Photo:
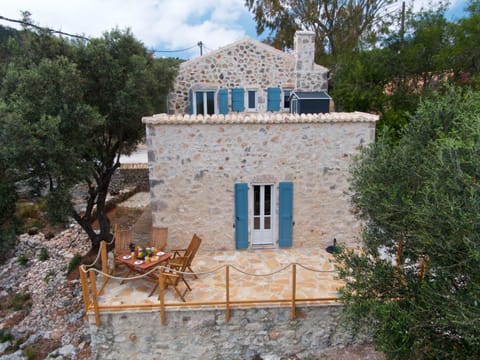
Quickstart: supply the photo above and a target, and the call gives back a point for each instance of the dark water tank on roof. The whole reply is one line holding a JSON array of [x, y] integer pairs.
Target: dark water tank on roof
[[309, 102]]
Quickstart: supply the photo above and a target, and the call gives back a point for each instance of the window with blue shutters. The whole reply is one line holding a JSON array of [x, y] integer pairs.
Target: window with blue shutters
[[241, 216], [204, 102], [285, 214], [223, 101], [238, 100], [273, 96]]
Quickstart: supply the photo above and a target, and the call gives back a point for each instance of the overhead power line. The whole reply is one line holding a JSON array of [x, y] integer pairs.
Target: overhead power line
[[26, 23], [171, 51], [43, 28]]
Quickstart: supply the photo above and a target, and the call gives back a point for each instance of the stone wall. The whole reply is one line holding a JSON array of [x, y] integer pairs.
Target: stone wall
[[130, 177], [194, 163], [204, 334], [247, 64]]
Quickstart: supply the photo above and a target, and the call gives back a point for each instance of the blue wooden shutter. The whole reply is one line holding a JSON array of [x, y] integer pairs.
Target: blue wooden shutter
[[241, 216], [238, 99], [190, 102], [285, 230], [223, 101], [273, 102]]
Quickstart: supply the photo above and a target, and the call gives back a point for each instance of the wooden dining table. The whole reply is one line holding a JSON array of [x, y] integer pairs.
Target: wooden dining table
[[141, 266]]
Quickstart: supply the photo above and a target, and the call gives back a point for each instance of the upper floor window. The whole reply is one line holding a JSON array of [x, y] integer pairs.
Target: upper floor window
[[286, 99], [204, 102], [252, 100]]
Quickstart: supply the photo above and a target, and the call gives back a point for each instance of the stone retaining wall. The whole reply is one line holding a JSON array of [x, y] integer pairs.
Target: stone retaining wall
[[204, 334]]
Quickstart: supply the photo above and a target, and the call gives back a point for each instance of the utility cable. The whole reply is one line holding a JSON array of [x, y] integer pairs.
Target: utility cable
[[43, 28]]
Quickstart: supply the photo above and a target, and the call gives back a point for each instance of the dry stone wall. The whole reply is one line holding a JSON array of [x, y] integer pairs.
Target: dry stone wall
[[195, 161], [204, 334]]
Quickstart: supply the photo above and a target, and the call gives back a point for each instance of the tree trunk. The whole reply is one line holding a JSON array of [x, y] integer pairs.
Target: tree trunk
[[96, 209]]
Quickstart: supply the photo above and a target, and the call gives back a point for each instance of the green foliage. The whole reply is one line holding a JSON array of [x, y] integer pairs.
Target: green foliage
[[20, 301], [59, 207], [49, 276], [74, 263], [22, 260], [43, 254], [29, 353], [341, 28], [419, 200], [5, 336], [105, 85]]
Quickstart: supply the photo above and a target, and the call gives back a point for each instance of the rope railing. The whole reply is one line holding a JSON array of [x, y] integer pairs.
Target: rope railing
[[90, 293]]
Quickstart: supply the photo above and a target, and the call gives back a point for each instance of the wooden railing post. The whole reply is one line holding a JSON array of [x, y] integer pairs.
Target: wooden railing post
[[95, 297], [294, 289], [103, 253], [227, 294], [161, 295], [85, 292]]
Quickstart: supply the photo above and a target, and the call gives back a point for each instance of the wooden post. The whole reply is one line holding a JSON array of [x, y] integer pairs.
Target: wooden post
[[227, 288], [103, 253], [85, 292], [399, 252], [294, 289], [95, 297], [422, 269], [161, 295]]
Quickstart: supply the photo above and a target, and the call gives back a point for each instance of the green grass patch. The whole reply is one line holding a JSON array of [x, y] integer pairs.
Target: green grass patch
[[21, 301], [75, 262], [43, 255], [22, 260]]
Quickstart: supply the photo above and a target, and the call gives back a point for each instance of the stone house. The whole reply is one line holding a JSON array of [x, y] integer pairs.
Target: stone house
[[255, 180], [246, 76], [241, 171]]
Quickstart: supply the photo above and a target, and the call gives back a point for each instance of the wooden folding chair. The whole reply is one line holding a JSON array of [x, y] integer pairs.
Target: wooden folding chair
[[172, 275], [158, 237], [188, 253], [123, 239]]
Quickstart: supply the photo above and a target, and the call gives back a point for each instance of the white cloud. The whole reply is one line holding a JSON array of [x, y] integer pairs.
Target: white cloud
[[160, 24]]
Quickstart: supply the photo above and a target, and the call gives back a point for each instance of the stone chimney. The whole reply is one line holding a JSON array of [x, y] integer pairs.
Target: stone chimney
[[308, 75], [304, 48]]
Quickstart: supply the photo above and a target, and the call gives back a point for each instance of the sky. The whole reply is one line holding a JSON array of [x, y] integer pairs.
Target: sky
[[164, 25]]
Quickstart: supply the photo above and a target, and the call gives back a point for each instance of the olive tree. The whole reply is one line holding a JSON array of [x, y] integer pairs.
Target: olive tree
[[416, 281], [74, 110]]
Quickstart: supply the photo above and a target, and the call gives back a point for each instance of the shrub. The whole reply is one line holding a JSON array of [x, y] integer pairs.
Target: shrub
[[43, 255], [22, 260], [50, 275], [5, 336], [76, 261], [20, 301], [29, 353]]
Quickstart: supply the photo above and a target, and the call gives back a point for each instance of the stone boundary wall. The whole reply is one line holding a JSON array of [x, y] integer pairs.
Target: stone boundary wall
[[132, 175], [204, 334]]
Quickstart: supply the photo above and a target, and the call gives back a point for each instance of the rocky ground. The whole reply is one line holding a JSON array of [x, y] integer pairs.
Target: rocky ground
[[42, 315]]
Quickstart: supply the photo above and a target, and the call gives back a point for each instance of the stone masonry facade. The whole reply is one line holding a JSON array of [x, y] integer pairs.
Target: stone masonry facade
[[205, 334], [195, 162], [249, 64]]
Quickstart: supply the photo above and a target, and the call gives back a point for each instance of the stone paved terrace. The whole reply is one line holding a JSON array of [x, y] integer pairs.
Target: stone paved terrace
[[211, 286]]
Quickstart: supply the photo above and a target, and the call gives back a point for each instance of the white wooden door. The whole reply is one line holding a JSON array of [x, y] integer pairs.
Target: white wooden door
[[262, 215]]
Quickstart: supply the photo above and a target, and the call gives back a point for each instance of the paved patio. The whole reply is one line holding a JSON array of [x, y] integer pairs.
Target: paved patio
[[314, 279]]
